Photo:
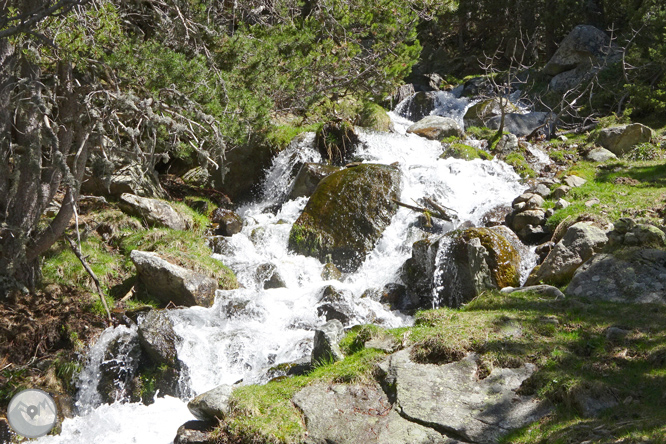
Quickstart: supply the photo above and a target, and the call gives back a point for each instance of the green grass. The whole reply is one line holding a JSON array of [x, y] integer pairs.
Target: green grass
[[185, 248], [565, 339], [624, 189], [266, 414], [61, 266]]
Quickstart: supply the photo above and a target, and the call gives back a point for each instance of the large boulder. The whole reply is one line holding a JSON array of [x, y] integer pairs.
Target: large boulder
[[436, 128], [621, 139], [349, 414], [585, 45], [153, 211], [211, 405], [451, 397], [171, 283], [158, 338], [525, 124], [632, 275], [326, 346], [459, 266], [581, 241], [347, 214], [374, 117], [308, 178]]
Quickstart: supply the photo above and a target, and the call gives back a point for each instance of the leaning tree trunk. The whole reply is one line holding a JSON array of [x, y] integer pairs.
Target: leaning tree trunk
[[44, 149]]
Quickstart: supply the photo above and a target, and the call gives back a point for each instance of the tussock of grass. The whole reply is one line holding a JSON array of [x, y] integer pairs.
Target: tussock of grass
[[185, 248]]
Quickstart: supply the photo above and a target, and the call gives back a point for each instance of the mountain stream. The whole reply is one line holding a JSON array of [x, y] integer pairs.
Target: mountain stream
[[249, 330]]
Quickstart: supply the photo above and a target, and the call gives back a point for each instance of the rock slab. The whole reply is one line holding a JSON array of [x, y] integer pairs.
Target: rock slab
[[452, 400], [352, 414], [172, 283], [632, 275], [153, 211]]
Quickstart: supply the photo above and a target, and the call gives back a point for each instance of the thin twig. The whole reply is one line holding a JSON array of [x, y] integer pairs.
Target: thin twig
[[77, 252]]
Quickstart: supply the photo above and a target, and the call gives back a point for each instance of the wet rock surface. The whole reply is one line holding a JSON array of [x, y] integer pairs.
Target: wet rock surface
[[472, 261], [157, 338], [227, 222], [308, 177]]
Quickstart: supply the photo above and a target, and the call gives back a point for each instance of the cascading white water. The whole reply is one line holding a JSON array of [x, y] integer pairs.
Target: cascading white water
[[90, 377], [249, 330]]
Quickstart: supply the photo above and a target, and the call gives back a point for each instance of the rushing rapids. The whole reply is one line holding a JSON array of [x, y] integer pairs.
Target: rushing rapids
[[249, 330]]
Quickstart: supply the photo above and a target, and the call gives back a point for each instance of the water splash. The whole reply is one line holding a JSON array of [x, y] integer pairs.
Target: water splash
[[114, 351]]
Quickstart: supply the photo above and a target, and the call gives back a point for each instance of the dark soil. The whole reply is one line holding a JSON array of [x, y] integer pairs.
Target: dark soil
[[38, 328]]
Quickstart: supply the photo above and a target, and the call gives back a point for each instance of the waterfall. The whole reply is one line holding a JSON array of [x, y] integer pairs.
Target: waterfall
[[251, 329]]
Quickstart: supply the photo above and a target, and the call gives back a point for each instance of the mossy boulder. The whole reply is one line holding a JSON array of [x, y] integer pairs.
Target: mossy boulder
[[460, 265], [374, 117], [463, 151], [520, 165], [347, 214]]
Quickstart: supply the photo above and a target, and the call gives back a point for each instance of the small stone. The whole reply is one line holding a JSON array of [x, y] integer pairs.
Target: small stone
[[560, 191], [574, 181], [211, 404], [520, 206], [561, 203], [616, 334], [600, 155], [592, 202], [542, 190]]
